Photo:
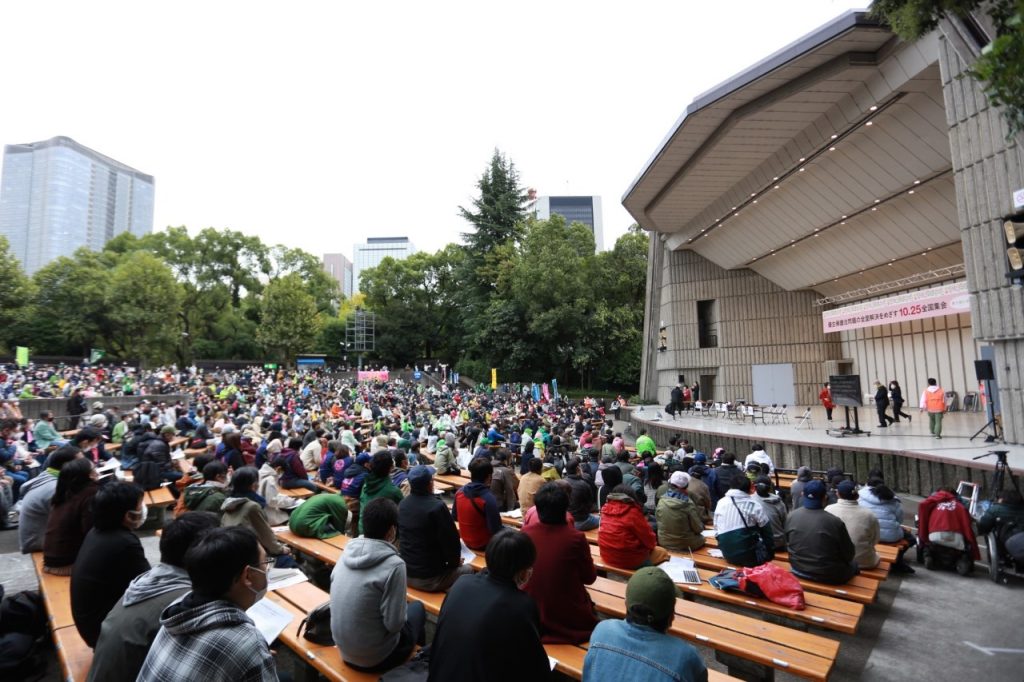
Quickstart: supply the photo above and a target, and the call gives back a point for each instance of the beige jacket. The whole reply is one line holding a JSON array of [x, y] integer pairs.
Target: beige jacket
[[862, 525]]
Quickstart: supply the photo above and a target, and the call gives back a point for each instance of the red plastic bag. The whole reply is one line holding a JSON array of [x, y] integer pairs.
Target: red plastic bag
[[777, 584]]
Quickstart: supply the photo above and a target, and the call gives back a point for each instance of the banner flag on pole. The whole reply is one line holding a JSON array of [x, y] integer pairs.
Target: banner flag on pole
[[494, 378], [21, 356], [95, 354], [554, 387]]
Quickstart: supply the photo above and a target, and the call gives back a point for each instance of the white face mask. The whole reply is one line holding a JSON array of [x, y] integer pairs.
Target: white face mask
[[142, 515], [260, 594]]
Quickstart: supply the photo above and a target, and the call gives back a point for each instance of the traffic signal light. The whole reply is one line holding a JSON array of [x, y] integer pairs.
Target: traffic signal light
[[1014, 230]]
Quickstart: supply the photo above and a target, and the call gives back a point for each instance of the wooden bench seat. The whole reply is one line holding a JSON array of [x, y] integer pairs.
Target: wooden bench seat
[[299, 493], [810, 656], [74, 654], [775, 646], [880, 572], [159, 497]]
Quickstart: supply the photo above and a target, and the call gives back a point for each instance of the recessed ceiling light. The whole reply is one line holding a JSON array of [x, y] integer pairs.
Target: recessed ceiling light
[[802, 159], [831, 149], [801, 170], [834, 136], [734, 208], [917, 182], [923, 253], [753, 259], [910, 192], [870, 123], [817, 235], [753, 194], [775, 178], [874, 208], [844, 217], [843, 223], [817, 229], [877, 200], [755, 201], [874, 108], [791, 241]]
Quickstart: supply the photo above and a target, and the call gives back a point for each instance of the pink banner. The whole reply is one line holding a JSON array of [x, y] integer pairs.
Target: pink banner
[[372, 376], [948, 299]]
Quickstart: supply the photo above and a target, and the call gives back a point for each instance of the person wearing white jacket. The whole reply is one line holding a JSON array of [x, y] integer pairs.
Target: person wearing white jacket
[[278, 505]]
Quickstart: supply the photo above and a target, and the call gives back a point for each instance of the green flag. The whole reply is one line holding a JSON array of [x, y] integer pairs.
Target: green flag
[[21, 356], [95, 354]]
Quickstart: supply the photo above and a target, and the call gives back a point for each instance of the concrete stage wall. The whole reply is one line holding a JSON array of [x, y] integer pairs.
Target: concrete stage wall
[[915, 470]]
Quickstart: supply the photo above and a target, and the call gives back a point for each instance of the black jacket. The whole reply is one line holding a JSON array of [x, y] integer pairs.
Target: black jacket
[[881, 397], [677, 396], [487, 630], [819, 544], [157, 450], [429, 539], [107, 562]]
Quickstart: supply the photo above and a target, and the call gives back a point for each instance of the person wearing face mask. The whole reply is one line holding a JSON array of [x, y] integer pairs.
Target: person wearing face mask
[[207, 635], [373, 627], [110, 558], [489, 628]]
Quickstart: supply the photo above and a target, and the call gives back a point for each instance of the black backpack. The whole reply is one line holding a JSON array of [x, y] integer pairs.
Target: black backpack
[[22, 631]]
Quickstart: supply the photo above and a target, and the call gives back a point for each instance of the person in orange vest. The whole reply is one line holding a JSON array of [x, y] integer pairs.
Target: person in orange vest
[[933, 400]]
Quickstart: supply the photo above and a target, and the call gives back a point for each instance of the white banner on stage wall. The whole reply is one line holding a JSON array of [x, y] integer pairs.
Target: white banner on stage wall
[[948, 299]]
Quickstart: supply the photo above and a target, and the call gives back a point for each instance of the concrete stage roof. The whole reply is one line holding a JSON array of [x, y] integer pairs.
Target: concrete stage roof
[[826, 166]]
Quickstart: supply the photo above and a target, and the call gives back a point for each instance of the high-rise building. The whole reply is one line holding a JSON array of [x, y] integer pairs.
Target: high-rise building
[[376, 249], [340, 268], [57, 195], [575, 209]]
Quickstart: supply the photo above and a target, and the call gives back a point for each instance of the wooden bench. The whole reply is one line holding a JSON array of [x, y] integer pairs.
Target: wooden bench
[[298, 493], [160, 497], [880, 572], [766, 644], [74, 654]]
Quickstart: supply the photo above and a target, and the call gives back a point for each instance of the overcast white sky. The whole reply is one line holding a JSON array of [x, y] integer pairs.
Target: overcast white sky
[[317, 124]]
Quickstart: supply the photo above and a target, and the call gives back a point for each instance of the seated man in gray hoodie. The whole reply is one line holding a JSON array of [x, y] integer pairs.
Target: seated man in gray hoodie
[[36, 494], [131, 626], [372, 625]]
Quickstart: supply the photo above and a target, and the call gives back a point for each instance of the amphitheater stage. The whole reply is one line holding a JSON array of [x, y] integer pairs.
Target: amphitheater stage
[[913, 461]]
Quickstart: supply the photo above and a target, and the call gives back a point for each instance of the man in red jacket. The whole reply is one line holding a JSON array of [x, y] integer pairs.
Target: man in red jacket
[[563, 568], [475, 508], [626, 539], [942, 512]]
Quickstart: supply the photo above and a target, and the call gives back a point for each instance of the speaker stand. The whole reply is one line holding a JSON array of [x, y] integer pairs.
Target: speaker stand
[[990, 409]]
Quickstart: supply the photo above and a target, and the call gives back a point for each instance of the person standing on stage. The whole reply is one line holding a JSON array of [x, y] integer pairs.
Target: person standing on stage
[[882, 404], [933, 401], [896, 393], [826, 401]]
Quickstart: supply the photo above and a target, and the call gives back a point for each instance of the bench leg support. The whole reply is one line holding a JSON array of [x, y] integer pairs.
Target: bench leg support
[[745, 670]]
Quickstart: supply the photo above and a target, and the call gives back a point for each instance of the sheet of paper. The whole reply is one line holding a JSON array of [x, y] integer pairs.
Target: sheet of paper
[[514, 514], [285, 577], [709, 533], [467, 554], [178, 454], [270, 619], [674, 567], [716, 553], [552, 662]]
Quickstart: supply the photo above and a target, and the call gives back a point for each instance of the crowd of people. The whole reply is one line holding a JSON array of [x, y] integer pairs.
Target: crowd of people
[[370, 453]]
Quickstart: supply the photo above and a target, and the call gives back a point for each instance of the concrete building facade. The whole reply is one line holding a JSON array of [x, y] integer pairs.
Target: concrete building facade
[[376, 249], [340, 268], [846, 169]]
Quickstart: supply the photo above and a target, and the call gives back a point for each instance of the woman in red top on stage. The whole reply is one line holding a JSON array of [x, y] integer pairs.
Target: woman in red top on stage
[[826, 400]]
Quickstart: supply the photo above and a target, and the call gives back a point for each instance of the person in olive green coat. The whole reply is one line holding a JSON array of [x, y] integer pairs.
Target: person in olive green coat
[[320, 516], [679, 522]]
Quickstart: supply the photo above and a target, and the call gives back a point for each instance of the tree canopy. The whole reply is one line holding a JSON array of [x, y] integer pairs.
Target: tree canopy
[[999, 68]]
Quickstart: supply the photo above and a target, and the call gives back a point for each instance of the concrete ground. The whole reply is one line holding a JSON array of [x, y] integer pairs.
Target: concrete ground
[[933, 625]]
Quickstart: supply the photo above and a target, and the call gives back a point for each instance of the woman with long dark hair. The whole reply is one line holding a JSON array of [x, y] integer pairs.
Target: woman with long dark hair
[[70, 515]]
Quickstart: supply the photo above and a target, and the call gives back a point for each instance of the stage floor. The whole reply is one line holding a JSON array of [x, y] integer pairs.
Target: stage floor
[[911, 439]]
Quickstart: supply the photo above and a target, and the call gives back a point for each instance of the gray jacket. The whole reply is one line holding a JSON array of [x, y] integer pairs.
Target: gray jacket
[[131, 626], [775, 510], [368, 589], [35, 511]]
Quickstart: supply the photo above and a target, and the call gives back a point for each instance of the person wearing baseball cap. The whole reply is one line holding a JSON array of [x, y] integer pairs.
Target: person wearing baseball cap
[[860, 523], [679, 521], [820, 547], [639, 647]]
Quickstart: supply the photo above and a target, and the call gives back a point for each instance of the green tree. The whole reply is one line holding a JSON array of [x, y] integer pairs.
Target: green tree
[[499, 208], [142, 301], [15, 296], [290, 321], [1000, 67], [70, 312], [322, 287]]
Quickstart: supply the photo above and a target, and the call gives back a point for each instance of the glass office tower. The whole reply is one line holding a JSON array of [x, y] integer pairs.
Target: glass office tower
[[57, 195], [376, 249]]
